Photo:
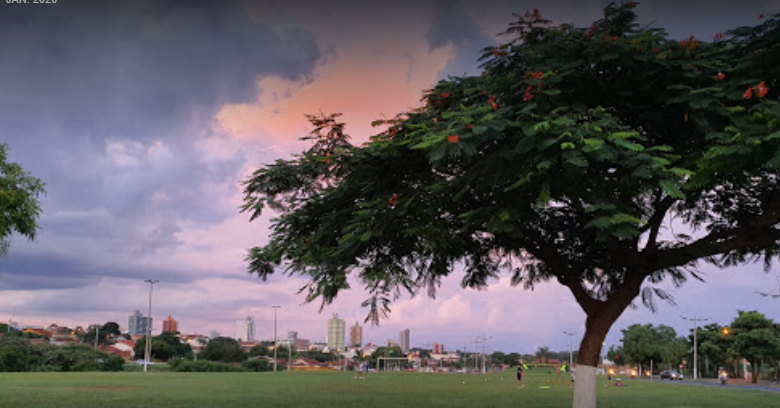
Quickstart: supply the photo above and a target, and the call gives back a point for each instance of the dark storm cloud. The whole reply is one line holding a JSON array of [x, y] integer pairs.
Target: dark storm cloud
[[454, 24], [32, 271], [136, 68], [110, 103]]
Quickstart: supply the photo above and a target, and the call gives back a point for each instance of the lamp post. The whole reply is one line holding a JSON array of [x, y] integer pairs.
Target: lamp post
[[148, 348], [275, 344], [695, 349], [571, 355]]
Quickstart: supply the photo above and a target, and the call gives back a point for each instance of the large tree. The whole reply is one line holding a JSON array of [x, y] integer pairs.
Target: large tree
[[19, 206], [645, 343], [755, 339], [716, 345], [565, 160]]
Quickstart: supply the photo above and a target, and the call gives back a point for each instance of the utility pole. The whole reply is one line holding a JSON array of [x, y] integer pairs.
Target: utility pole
[[571, 355], [695, 349], [275, 343], [482, 340], [148, 348]]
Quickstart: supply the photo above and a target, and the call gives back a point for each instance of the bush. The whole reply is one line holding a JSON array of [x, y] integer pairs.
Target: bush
[[85, 366], [205, 367], [174, 363], [258, 365], [112, 363]]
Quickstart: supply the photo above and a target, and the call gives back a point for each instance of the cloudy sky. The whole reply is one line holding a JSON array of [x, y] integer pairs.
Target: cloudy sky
[[143, 117]]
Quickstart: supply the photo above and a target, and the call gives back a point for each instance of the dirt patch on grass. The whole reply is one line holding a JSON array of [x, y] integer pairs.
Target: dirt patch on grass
[[109, 388]]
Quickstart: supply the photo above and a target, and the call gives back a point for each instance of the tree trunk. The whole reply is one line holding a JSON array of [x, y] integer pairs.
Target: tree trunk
[[756, 368], [596, 330], [601, 316]]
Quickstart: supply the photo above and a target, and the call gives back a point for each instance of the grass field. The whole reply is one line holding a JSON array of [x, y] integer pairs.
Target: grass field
[[341, 390]]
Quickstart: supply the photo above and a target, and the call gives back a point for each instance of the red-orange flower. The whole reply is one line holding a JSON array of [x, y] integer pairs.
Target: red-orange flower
[[719, 36], [468, 126], [327, 158], [655, 49], [748, 94], [760, 16], [453, 138], [720, 76], [537, 75], [445, 94], [586, 34], [495, 106], [393, 200], [761, 89]]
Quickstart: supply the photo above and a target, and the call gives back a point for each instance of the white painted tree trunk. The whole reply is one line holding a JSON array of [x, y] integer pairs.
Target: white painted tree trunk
[[585, 387]]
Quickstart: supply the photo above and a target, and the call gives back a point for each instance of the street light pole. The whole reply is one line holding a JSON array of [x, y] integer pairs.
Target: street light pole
[[571, 355], [695, 349], [275, 344], [148, 348]]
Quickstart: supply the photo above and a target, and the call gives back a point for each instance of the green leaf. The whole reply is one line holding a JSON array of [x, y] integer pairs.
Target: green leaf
[[701, 103], [567, 145], [478, 130], [552, 92], [628, 145], [670, 188], [541, 126], [623, 135], [430, 142], [593, 142]]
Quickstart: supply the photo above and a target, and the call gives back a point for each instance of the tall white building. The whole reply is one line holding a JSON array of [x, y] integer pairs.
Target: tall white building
[[336, 333], [245, 329], [138, 324], [403, 340]]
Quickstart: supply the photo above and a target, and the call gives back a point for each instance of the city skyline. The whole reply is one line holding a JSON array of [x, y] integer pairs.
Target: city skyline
[[143, 150]]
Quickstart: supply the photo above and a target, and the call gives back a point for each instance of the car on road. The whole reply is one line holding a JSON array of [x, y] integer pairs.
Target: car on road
[[671, 375]]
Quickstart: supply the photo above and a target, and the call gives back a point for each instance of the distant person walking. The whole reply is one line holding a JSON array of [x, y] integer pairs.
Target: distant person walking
[[519, 375]]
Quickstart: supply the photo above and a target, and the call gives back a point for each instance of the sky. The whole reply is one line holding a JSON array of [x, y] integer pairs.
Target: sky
[[144, 117]]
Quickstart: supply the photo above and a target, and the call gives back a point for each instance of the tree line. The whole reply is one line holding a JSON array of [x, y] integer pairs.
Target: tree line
[[750, 335]]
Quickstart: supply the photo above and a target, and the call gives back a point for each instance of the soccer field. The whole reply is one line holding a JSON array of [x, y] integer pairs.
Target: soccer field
[[342, 390]]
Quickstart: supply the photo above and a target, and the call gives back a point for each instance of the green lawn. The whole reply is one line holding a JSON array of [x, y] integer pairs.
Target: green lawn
[[341, 390]]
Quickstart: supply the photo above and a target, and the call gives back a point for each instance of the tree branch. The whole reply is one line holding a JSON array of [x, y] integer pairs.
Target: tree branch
[[655, 221], [716, 243]]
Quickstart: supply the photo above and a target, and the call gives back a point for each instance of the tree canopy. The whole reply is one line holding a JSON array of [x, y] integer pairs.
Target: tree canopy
[[645, 343], [19, 206], [757, 339], [564, 161]]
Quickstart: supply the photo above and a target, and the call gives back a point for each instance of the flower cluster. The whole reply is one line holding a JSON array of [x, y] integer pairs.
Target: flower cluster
[[690, 43], [453, 138], [492, 102], [720, 76], [393, 200], [498, 52], [718, 36], [530, 92], [761, 90]]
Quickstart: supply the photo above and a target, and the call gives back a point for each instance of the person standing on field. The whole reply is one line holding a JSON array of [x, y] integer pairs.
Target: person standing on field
[[519, 375]]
